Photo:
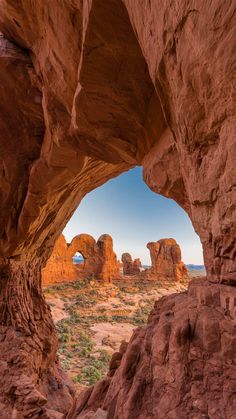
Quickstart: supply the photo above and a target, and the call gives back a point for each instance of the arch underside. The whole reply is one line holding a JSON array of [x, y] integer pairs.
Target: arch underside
[[90, 89]]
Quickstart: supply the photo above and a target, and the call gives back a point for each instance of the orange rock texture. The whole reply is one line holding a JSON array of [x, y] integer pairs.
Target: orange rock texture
[[99, 260], [130, 266], [90, 89], [182, 365], [166, 261]]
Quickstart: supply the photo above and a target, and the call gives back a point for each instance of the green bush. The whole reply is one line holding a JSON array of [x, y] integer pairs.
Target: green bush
[[104, 356], [91, 374], [64, 332]]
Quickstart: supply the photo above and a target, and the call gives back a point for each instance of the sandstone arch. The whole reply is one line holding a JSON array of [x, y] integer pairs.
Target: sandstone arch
[[100, 261], [144, 82]]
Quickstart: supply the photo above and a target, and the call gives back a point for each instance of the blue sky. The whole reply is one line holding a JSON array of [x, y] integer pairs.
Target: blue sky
[[133, 215]]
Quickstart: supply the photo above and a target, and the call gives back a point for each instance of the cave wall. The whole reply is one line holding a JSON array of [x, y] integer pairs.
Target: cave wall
[[89, 90], [169, 69]]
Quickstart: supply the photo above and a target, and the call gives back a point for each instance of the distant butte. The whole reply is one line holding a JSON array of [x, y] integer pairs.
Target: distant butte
[[166, 261]]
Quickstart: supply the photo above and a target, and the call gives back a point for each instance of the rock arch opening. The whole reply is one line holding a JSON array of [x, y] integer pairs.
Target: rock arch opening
[[78, 259], [123, 85], [101, 318]]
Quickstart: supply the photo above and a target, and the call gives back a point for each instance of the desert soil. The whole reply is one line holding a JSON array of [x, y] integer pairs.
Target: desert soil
[[92, 319]]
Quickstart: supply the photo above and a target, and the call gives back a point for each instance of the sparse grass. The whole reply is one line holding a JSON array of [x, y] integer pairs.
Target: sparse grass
[[119, 318], [89, 375], [98, 318], [77, 350], [104, 356], [64, 331]]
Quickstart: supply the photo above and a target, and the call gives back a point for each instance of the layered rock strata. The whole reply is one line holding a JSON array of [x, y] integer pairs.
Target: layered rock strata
[[130, 266], [166, 261], [100, 260]]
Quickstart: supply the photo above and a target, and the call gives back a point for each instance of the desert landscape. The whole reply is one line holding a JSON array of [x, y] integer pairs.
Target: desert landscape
[[92, 90], [95, 316], [94, 319]]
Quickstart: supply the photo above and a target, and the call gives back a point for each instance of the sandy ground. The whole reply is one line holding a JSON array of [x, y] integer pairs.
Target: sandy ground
[[113, 333], [92, 320], [58, 309]]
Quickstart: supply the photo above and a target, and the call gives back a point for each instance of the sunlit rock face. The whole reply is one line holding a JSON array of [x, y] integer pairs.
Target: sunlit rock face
[[88, 90], [130, 266], [166, 261], [100, 261]]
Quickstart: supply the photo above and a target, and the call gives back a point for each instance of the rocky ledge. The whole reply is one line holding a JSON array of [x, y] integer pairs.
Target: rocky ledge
[[181, 365]]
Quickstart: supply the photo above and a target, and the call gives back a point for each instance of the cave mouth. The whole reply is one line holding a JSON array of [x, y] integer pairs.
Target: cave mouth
[[98, 316], [84, 105]]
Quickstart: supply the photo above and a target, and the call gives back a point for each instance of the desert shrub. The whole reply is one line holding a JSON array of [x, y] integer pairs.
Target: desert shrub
[[75, 317], [78, 285], [64, 332], [96, 363], [119, 318], [92, 292], [65, 363], [104, 356], [85, 341], [91, 374], [130, 302], [99, 318], [88, 375]]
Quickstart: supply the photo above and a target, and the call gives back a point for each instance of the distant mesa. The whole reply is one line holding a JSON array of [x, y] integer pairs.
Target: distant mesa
[[85, 258]]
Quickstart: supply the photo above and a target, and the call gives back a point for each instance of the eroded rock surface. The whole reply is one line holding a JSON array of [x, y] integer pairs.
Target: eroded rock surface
[[99, 260], [88, 90], [166, 261], [182, 365], [130, 266]]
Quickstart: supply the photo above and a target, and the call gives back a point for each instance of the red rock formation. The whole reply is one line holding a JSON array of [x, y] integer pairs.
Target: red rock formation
[[59, 267], [130, 267], [88, 90], [99, 260], [182, 365], [166, 261]]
